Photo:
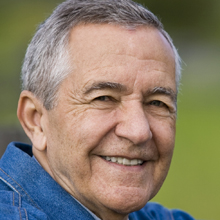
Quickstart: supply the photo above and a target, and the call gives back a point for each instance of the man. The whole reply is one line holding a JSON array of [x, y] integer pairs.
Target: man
[[100, 81]]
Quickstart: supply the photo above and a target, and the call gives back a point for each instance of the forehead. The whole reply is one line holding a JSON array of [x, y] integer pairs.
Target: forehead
[[98, 50], [102, 38]]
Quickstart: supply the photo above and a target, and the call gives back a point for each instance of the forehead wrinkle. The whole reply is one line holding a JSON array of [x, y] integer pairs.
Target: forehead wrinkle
[[102, 85], [142, 57]]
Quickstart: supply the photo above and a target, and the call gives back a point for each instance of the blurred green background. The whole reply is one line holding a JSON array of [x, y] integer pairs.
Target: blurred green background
[[194, 177]]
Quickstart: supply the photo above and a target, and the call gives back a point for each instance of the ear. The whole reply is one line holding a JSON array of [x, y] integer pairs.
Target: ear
[[30, 112]]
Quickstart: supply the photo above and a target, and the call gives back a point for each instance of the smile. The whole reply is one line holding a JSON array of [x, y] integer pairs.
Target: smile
[[124, 161]]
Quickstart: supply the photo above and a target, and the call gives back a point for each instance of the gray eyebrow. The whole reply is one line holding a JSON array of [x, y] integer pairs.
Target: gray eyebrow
[[104, 85], [164, 91], [119, 87]]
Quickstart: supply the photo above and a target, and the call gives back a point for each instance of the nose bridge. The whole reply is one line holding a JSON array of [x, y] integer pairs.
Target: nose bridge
[[133, 123]]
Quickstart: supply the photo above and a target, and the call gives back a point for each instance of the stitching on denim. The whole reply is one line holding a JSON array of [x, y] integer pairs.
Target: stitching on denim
[[19, 200], [13, 198], [20, 187], [9, 184], [26, 214], [20, 213]]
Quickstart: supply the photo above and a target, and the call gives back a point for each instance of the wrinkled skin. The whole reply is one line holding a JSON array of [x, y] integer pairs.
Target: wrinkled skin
[[119, 100]]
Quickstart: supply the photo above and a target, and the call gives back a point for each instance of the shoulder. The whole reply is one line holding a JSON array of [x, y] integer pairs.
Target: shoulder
[[12, 204], [154, 211], [12, 207]]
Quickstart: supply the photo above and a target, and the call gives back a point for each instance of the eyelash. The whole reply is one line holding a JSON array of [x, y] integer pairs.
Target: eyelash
[[100, 98], [158, 103]]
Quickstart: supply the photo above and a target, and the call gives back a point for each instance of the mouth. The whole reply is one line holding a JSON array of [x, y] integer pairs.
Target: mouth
[[124, 161]]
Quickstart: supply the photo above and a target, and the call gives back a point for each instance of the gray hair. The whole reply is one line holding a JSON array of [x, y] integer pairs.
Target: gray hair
[[46, 63]]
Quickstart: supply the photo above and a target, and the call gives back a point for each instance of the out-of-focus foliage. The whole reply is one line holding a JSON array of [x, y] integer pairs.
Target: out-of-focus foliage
[[194, 179], [18, 21], [197, 18]]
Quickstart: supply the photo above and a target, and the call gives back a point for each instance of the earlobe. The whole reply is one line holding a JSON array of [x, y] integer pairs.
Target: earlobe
[[30, 113]]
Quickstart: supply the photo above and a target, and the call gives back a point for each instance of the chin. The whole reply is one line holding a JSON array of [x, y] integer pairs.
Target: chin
[[126, 208], [127, 202]]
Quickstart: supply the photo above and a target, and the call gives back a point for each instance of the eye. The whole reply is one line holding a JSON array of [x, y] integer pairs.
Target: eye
[[160, 108], [103, 98], [157, 103]]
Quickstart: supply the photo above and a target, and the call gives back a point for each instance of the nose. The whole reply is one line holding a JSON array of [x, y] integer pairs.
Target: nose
[[133, 124]]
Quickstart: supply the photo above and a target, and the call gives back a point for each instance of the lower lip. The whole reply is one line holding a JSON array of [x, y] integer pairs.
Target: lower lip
[[124, 167]]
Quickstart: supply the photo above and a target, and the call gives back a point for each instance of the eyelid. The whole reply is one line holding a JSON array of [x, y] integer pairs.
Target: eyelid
[[100, 97], [110, 98], [169, 105], [160, 102], [167, 100]]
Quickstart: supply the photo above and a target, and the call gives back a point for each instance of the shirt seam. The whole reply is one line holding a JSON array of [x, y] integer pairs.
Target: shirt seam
[[9, 184], [19, 213], [18, 186], [26, 216]]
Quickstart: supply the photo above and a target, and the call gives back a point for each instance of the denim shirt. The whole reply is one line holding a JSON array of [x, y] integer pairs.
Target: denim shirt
[[28, 192]]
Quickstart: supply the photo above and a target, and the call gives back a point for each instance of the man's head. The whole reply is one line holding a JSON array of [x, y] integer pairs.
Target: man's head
[[108, 136]]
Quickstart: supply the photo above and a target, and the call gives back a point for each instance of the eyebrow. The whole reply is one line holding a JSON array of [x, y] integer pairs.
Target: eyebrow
[[104, 85], [120, 88], [163, 91]]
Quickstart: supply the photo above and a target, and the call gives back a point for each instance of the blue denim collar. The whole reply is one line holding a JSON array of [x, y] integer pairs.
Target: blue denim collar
[[36, 186]]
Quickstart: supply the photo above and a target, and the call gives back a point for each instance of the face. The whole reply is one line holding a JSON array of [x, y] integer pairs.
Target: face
[[111, 136]]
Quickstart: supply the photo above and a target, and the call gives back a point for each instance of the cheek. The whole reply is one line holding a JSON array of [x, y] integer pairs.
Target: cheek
[[163, 130], [76, 135], [164, 139], [92, 126]]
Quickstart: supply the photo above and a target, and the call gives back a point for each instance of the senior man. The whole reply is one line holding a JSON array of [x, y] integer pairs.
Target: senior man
[[100, 81]]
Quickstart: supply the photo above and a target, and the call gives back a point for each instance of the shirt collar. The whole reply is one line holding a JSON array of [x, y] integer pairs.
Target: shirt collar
[[31, 181], [93, 215]]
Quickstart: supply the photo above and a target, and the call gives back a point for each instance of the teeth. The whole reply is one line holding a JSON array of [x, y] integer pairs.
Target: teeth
[[120, 160], [114, 159], [108, 158], [124, 161], [134, 162]]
